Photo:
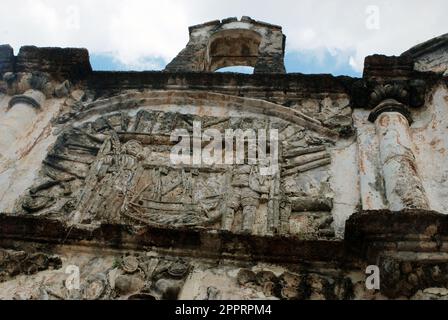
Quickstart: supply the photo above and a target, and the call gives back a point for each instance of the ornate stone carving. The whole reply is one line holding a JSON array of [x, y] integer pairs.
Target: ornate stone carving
[[131, 277], [19, 83], [14, 263], [394, 91], [150, 278], [106, 184], [370, 92], [402, 277], [291, 286], [117, 169]]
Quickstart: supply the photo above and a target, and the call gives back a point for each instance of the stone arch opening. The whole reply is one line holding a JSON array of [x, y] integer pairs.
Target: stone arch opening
[[231, 42], [235, 47]]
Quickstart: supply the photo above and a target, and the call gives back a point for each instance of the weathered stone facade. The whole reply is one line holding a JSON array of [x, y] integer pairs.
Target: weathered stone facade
[[87, 179], [231, 42]]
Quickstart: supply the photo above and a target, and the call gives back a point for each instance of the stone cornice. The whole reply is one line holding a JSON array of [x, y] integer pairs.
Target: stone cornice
[[187, 242], [291, 83], [73, 65]]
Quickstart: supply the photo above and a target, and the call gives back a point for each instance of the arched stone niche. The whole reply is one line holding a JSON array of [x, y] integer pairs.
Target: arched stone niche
[[232, 42], [237, 47]]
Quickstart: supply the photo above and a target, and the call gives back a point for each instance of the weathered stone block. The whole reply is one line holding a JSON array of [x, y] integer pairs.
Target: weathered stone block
[[6, 59], [61, 63]]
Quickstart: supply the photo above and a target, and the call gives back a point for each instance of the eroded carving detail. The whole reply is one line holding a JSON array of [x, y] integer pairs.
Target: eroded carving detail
[[117, 169], [14, 263], [291, 286], [131, 277], [400, 277]]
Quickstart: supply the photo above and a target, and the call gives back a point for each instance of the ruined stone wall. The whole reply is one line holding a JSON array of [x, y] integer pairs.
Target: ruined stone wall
[[232, 42], [87, 179]]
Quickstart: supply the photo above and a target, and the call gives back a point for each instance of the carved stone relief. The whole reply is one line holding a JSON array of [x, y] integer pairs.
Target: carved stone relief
[[14, 263], [291, 286], [117, 169], [131, 277]]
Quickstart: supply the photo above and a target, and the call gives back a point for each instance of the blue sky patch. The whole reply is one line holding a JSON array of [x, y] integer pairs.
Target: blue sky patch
[[308, 62]]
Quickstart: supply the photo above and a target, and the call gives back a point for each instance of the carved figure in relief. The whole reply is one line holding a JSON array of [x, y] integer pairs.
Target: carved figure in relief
[[98, 175], [177, 197], [248, 190], [111, 180]]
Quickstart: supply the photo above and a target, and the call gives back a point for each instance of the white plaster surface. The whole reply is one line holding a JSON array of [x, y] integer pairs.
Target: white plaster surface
[[370, 176], [430, 135], [20, 168], [345, 184]]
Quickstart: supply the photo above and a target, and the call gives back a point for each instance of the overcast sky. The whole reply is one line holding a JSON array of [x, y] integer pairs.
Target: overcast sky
[[326, 36]]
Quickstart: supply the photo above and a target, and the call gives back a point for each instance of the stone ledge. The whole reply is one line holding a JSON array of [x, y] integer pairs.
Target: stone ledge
[[194, 243], [399, 225], [370, 233], [291, 82]]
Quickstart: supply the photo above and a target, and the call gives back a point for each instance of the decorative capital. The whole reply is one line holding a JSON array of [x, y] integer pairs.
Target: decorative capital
[[393, 91], [31, 97], [390, 105], [370, 94], [20, 83]]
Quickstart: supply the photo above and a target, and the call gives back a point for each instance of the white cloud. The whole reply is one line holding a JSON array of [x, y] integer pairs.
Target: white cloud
[[135, 30]]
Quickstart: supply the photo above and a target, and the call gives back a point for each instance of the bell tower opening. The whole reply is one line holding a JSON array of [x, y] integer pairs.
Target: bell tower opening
[[232, 48], [229, 43]]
